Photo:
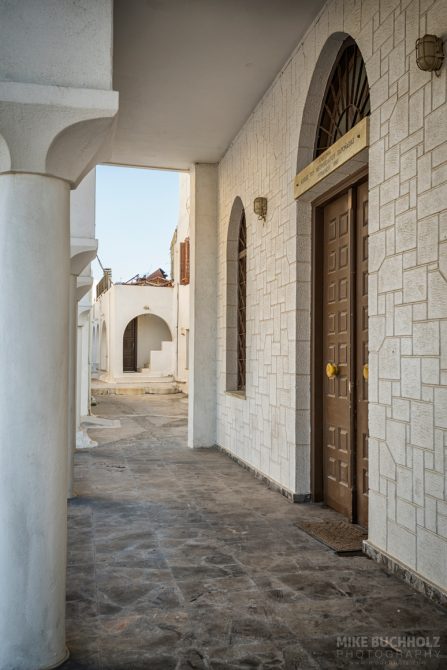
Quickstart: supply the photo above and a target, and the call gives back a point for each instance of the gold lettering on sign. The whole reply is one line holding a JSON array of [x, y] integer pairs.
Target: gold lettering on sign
[[354, 141]]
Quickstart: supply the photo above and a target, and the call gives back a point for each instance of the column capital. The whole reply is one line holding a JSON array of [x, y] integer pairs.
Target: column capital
[[54, 130], [82, 252], [83, 285]]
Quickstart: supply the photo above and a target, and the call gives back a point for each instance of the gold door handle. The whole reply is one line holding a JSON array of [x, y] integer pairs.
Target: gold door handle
[[365, 372], [331, 370]]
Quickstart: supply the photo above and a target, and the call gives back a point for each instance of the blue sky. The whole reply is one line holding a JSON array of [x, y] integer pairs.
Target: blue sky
[[136, 215]]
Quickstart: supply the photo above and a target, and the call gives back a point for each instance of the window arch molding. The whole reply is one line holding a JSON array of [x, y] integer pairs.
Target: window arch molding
[[315, 96], [346, 99], [236, 299]]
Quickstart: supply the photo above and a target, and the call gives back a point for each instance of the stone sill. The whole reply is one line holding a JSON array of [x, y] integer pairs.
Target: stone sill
[[237, 394]]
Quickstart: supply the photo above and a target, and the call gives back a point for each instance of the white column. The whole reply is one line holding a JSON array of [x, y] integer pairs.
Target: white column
[[83, 363], [83, 249], [82, 253], [34, 262], [203, 309], [72, 367], [42, 156]]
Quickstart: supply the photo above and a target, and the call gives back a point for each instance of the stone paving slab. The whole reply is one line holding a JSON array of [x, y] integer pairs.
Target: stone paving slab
[[181, 559]]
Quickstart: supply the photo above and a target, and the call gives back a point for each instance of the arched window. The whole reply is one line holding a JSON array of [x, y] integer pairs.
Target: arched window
[[347, 97], [242, 304], [236, 326]]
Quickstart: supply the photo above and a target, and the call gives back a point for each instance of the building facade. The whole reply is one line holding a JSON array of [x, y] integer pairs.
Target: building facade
[[273, 427], [137, 328]]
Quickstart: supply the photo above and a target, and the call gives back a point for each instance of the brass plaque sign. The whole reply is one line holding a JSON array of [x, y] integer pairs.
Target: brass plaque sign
[[354, 141]]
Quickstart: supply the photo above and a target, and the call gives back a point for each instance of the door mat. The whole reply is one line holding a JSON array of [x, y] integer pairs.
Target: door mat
[[340, 536]]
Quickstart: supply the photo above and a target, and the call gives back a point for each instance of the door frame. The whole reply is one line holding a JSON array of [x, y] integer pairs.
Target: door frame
[[316, 384]]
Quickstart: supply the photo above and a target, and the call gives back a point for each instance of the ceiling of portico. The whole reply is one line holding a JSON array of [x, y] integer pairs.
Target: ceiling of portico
[[189, 72]]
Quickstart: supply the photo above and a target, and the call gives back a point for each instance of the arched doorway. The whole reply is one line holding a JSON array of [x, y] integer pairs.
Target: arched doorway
[[145, 345], [339, 212]]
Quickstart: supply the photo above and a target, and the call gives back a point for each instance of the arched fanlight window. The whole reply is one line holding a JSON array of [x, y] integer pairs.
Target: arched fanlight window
[[241, 304], [347, 97]]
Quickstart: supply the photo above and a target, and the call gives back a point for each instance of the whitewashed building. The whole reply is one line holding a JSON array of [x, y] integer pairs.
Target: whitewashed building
[[136, 326], [141, 327], [318, 332]]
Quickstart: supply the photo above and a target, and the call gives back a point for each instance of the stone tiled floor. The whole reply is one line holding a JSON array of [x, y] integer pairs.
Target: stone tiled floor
[[181, 559]]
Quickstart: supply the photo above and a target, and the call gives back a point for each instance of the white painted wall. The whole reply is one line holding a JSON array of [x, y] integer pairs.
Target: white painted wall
[[151, 333], [82, 207], [162, 360], [122, 303], [55, 43], [95, 344], [103, 348], [181, 302], [270, 429], [203, 306]]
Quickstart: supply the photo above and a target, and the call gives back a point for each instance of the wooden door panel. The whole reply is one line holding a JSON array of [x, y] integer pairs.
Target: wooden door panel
[[345, 343], [336, 349], [130, 347]]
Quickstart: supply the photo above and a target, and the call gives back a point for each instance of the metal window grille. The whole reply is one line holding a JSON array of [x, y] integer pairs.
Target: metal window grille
[[347, 97], [242, 305]]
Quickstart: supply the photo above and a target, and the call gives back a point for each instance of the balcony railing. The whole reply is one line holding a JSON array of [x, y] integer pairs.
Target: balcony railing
[[105, 283]]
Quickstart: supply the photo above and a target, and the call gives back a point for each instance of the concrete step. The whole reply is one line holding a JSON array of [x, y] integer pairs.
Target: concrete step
[[154, 386], [147, 373], [138, 378]]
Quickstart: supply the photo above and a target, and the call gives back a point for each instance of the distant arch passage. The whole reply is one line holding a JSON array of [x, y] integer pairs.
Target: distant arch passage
[[143, 335], [346, 101]]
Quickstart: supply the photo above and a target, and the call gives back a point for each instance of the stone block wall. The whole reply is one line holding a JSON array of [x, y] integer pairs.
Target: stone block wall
[[270, 428]]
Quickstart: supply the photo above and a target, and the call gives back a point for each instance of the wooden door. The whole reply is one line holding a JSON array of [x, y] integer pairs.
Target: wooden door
[[337, 330], [130, 347], [361, 451], [345, 354]]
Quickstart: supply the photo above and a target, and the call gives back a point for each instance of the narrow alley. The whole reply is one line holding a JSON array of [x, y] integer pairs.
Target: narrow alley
[[180, 558]]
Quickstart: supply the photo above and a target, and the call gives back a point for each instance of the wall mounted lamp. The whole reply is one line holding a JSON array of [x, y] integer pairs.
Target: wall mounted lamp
[[260, 208], [429, 53]]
